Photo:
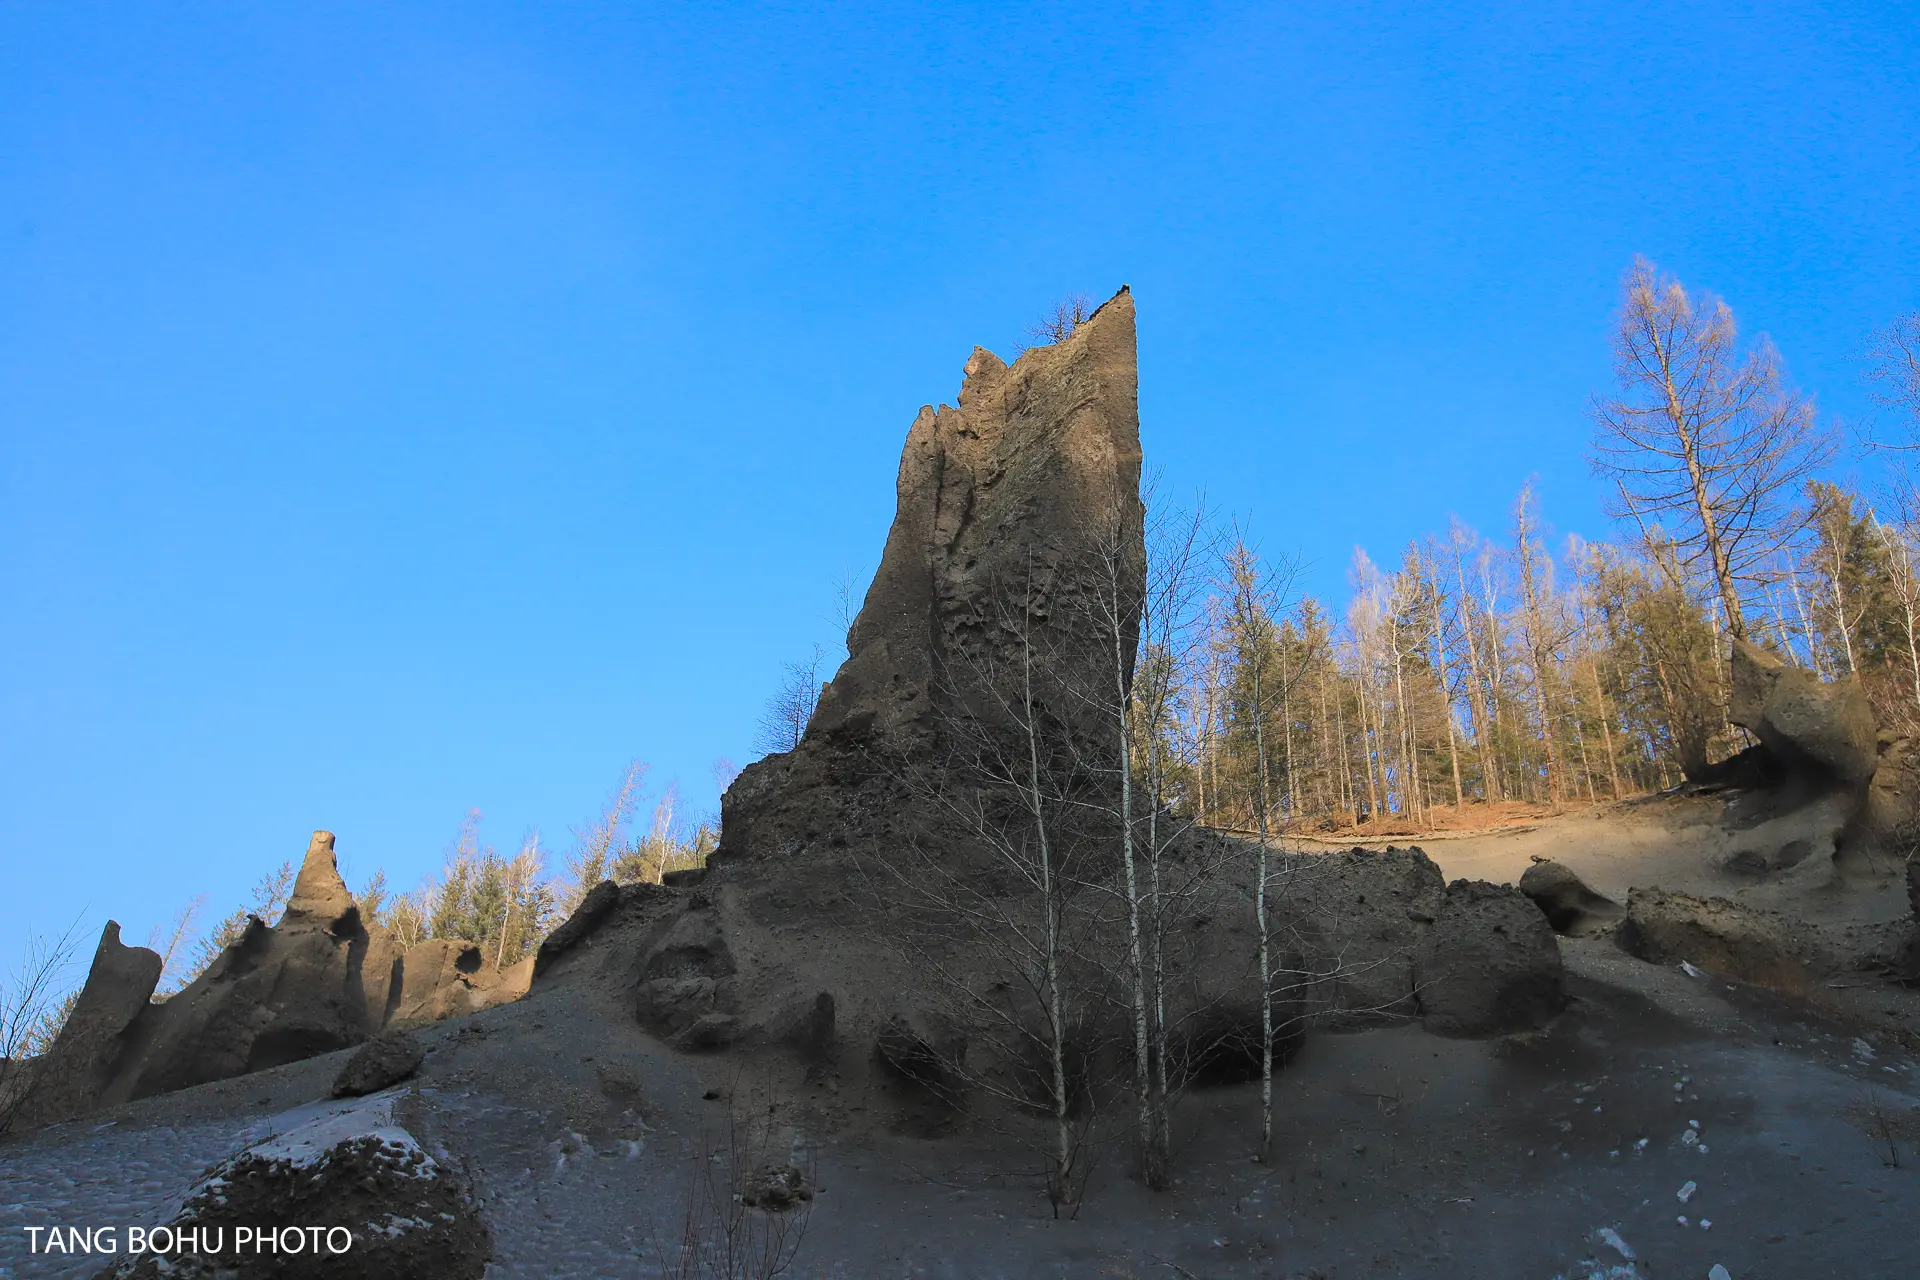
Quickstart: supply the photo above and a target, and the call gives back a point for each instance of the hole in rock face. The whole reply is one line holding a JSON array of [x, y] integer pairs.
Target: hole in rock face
[[468, 961], [348, 925]]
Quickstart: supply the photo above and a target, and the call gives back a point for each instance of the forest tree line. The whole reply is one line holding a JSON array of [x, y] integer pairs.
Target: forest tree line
[[1484, 670]]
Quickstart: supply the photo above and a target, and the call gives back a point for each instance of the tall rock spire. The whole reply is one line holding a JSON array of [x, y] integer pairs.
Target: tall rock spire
[[1018, 509], [1016, 491]]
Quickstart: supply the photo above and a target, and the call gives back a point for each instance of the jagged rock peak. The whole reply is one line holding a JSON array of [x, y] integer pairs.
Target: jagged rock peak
[[1035, 471], [319, 893]]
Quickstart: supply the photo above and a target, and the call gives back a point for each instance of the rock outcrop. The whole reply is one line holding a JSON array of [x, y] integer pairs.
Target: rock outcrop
[[87, 1053], [1726, 938], [448, 978], [1889, 817], [317, 981], [1018, 515], [1489, 964], [1804, 721], [847, 866], [593, 909]]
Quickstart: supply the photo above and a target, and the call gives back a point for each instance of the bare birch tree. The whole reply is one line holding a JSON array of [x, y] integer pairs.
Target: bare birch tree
[[1253, 591], [598, 843], [1001, 877]]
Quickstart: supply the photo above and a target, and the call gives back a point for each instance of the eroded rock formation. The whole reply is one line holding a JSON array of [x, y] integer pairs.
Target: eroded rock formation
[[1805, 722], [80, 1065], [317, 981], [1018, 534], [1570, 906], [1726, 938], [1018, 517]]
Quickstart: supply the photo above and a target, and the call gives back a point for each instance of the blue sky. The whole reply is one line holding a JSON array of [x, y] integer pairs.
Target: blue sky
[[406, 409]]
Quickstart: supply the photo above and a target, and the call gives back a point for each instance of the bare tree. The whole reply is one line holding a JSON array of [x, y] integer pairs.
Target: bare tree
[[1904, 577], [990, 895], [1540, 631], [1145, 612], [1067, 315], [745, 1212], [1893, 367], [1254, 591], [1711, 444], [598, 843], [784, 722], [33, 1006]]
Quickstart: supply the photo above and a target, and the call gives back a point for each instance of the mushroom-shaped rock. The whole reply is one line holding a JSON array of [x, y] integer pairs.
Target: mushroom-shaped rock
[[1801, 718], [1569, 905]]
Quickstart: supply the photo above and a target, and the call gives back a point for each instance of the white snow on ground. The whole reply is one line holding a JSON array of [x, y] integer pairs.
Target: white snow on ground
[[309, 1132], [585, 1216], [578, 1220], [108, 1175]]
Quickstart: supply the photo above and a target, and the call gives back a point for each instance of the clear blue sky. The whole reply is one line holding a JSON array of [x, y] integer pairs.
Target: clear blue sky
[[405, 409]]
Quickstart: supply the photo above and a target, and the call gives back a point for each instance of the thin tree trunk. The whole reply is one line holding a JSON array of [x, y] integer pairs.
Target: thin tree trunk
[[1806, 627], [1151, 1171], [1061, 1192], [1260, 912]]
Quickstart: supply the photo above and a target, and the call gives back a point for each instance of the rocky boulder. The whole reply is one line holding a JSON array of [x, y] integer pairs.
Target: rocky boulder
[[380, 1063], [343, 1191], [1803, 720], [1489, 964], [1359, 917]]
